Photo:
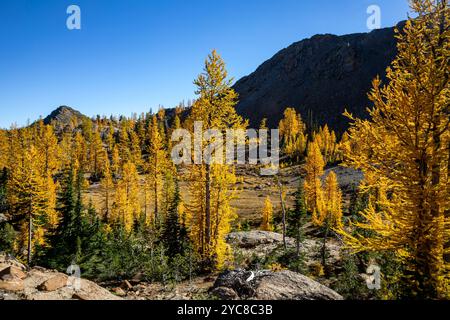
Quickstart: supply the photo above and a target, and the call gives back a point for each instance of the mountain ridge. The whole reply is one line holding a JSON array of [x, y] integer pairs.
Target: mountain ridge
[[319, 76]]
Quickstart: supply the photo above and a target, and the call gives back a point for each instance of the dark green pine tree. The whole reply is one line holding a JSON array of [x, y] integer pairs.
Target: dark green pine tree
[[174, 236], [67, 240], [3, 190], [296, 217], [92, 250], [7, 232]]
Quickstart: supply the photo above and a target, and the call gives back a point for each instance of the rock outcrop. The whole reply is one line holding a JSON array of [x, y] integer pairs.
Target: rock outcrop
[[269, 285], [320, 77], [64, 117], [263, 243], [16, 283]]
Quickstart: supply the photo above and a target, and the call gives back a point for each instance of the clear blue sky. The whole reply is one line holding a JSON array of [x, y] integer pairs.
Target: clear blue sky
[[130, 56]]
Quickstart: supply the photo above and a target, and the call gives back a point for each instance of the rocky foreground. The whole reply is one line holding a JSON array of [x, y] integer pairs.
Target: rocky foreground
[[19, 283], [269, 285]]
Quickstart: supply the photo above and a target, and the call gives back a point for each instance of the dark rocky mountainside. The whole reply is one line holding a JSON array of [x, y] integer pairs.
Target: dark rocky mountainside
[[320, 77]]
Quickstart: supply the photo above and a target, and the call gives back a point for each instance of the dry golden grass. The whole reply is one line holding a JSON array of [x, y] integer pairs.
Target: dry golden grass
[[252, 191]]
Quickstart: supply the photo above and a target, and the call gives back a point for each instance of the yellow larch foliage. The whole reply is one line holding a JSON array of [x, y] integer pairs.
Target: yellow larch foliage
[[403, 148], [267, 213], [135, 149], [263, 124], [293, 134], [313, 185], [97, 155], [340, 147], [212, 185], [126, 208], [157, 164], [124, 141], [327, 142], [3, 149], [47, 145], [332, 209], [116, 161], [107, 188], [79, 148], [32, 197]]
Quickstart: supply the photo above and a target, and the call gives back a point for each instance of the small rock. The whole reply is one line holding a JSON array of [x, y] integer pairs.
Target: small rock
[[119, 292], [11, 273], [39, 269], [126, 285], [12, 285], [137, 278], [224, 293], [139, 287], [54, 283], [80, 296], [209, 279]]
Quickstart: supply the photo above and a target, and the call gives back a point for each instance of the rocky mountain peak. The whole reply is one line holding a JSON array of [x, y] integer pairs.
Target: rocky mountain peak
[[320, 77]]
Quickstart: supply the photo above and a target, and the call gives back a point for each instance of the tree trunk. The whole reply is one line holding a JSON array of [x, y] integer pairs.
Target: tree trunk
[[155, 187], [283, 209], [324, 248], [107, 206], [30, 234], [447, 214], [208, 207]]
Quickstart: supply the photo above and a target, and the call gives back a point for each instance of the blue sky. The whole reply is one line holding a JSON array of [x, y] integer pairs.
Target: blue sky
[[130, 56]]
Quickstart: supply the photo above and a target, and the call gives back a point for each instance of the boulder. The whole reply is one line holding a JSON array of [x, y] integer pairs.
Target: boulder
[[269, 285], [42, 284], [11, 279], [263, 243], [9, 261], [54, 283], [255, 238], [12, 285], [80, 296], [224, 293], [236, 280], [12, 272]]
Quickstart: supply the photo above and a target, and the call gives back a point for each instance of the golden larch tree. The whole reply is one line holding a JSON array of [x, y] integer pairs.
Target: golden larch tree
[[127, 209], [32, 197], [107, 188], [157, 164], [313, 185], [267, 215], [212, 184], [293, 134], [404, 148]]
